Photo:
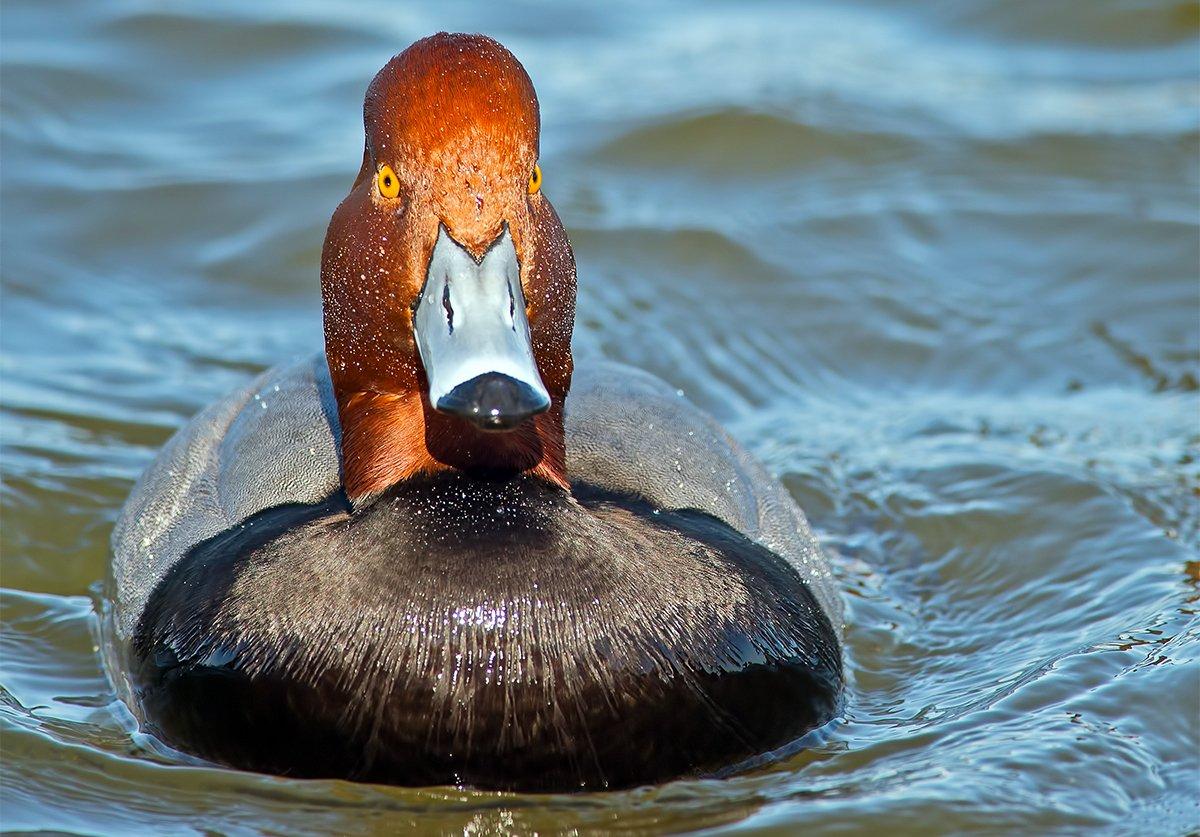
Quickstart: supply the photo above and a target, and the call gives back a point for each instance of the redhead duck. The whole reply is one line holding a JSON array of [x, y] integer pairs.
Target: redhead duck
[[440, 554]]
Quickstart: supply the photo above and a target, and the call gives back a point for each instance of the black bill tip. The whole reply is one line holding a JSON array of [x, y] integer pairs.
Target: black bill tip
[[493, 401]]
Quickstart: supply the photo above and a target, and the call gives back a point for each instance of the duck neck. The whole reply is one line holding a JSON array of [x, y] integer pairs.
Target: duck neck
[[390, 437]]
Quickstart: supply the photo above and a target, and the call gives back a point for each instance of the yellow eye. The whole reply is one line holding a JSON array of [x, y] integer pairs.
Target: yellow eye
[[389, 186], [535, 179]]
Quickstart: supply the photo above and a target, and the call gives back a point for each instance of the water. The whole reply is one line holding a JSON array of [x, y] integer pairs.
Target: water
[[937, 266]]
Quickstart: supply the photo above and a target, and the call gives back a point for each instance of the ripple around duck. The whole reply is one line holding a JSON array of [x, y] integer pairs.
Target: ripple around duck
[[972, 578], [225, 41], [1108, 23], [748, 144]]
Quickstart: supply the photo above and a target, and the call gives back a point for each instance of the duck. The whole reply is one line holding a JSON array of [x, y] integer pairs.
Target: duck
[[438, 553]]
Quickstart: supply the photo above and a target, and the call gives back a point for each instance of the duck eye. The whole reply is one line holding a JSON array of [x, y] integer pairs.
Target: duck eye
[[535, 179], [389, 186]]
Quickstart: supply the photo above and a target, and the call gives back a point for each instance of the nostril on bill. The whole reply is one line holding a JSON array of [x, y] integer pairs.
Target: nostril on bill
[[448, 308]]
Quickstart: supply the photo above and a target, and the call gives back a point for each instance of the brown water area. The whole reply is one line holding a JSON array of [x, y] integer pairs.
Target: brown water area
[[937, 265]]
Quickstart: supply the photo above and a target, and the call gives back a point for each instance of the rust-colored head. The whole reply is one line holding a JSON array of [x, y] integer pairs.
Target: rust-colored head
[[454, 121]]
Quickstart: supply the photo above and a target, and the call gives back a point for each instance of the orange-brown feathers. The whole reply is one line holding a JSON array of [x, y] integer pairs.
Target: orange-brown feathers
[[456, 118]]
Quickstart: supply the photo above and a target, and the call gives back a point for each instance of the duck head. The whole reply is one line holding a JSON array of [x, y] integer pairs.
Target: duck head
[[447, 279]]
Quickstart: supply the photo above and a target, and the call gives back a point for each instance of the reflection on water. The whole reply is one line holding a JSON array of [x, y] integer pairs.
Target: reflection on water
[[936, 266]]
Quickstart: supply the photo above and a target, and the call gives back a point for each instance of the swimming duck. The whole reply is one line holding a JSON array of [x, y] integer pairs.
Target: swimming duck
[[437, 552]]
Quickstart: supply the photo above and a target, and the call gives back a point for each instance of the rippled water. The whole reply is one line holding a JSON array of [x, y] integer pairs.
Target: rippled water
[[937, 265]]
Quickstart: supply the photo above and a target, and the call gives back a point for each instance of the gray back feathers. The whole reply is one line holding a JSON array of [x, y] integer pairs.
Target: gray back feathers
[[276, 442]]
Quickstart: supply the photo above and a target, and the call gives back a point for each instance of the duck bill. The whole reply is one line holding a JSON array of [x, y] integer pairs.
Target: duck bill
[[473, 336]]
